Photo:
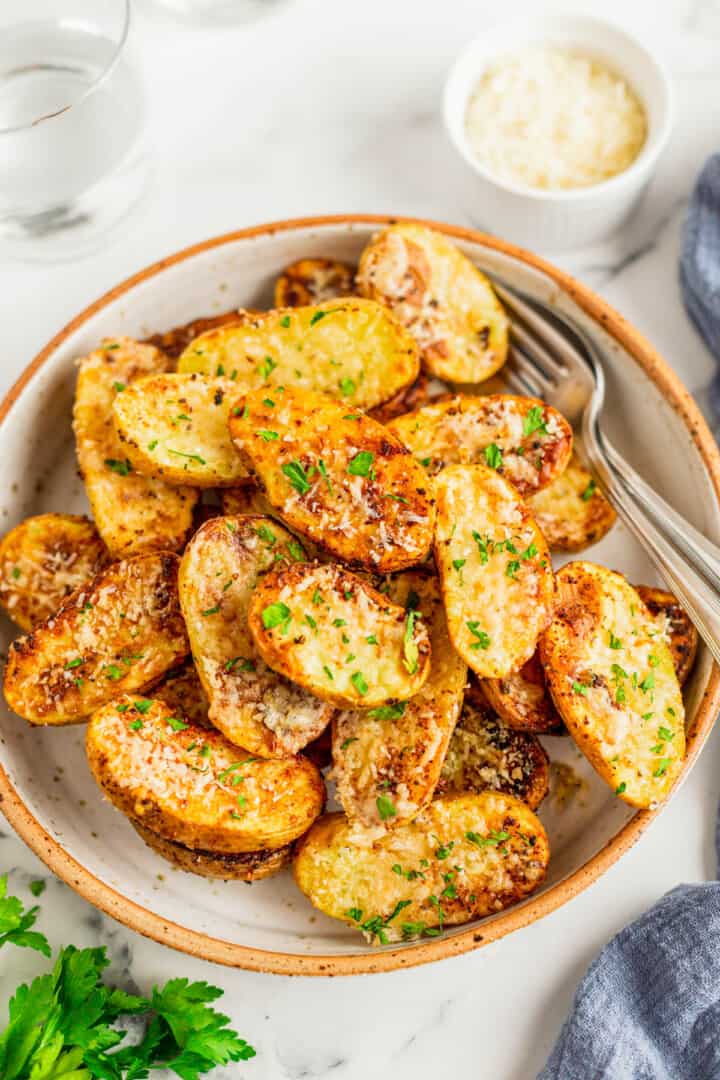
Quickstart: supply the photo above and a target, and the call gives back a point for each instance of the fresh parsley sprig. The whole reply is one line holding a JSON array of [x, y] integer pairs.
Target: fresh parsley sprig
[[61, 1025]]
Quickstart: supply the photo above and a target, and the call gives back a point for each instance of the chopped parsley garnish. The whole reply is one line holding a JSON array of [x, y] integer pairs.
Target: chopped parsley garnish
[[361, 464], [142, 705], [210, 611], [665, 734], [190, 457], [458, 564], [346, 742], [614, 643], [297, 476], [153, 444], [310, 621], [266, 534], [385, 807], [410, 649], [277, 614], [74, 663], [122, 468], [589, 492], [443, 850], [16, 572], [493, 838], [119, 387], [482, 545], [295, 550], [267, 367], [620, 788], [580, 688], [372, 640], [534, 422], [648, 683], [483, 639], [285, 321], [388, 712], [358, 681], [347, 386], [112, 671], [662, 767], [323, 472], [136, 725], [493, 456], [245, 665], [267, 435], [176, 723], [329, 673], [339, 622]]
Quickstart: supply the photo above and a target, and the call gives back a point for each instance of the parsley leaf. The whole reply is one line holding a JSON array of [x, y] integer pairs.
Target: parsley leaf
[[493, 456], [361, 464], [15, 923], [533, 422], [410, 649], [297, 476], [385, 807]]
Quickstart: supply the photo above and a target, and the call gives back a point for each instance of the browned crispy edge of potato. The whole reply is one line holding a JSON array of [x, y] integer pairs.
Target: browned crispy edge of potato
[[173, 342], [523, 700], [227, 866], [681, 631], [311, 281]]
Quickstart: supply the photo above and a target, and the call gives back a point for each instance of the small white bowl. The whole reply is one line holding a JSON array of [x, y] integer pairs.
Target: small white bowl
[[568, 218]]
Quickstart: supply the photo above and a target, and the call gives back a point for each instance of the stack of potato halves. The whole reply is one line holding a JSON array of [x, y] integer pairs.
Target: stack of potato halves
[[317, 541]]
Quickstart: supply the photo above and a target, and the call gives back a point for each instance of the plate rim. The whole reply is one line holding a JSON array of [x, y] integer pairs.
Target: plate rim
[[207, 947]]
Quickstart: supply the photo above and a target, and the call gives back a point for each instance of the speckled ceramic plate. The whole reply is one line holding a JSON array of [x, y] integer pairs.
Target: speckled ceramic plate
[[46, 789]]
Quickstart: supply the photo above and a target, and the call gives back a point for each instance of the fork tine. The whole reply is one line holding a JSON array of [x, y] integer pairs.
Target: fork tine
[[536, 353], [525, 373], [558, 353]]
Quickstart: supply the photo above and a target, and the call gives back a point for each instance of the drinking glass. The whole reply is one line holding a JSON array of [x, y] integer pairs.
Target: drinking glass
[[72, 125], [218, 11]]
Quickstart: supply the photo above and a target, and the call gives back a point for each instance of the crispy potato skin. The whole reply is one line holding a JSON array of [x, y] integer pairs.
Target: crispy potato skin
[[603, 645], [523, 700], [249, 703], [682, 634], [347, 484], [444, 301], [400, 756], [174, 342], [132, 513], [43, 560], [182, 692], [571, 512], [352, 348], [459, 431], [411, 397], [184, 784], [175, 427], [311, 623], [117, 634], [497, 599], [239, 866], [347, 871], [486, 754], [312, 281]]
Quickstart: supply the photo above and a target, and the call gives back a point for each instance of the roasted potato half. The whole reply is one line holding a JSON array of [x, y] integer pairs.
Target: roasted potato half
[[464, 857], [119, 633], [249, 703], [312, 281], [133, 513], [329, 631], [193, 787], [387, 760], [613, 681], [239, 866], [337, 477], [523, 700], [523, 439], [175, 427], [441, 297], [353, 349], [251, 499], [676, 624], [174, 342], [182, 692], [572, 512], [486, 754], [43, 560], [494, 567]]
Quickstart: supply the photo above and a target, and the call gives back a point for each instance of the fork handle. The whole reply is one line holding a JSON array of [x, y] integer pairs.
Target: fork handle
[[689, 562]]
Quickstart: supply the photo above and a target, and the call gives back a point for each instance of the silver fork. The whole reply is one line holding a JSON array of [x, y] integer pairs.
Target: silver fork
[[552, 358]]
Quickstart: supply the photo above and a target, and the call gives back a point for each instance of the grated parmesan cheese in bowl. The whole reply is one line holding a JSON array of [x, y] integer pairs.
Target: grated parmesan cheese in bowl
[[554, 119]]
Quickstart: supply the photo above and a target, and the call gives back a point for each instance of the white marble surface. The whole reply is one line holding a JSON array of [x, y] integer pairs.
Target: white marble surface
[[329, 107]]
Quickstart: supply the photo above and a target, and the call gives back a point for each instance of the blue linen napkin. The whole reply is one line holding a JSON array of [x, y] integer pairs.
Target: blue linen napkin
[[649, 1006]]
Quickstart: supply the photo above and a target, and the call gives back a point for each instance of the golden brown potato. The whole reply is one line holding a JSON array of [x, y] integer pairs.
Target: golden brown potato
[[174, 342], [354, 349], [682, 635], [337, 477], [182, 692], [523, 700], [249, 703], [43, 560], [133, 513], [238, 866], [411, 397], [387, 761], [251, 499], [311, 281], [329, 631], [486, 754], [612, 679], [572, 512], [193, 787], [494, 567], [525, 440], [117, 634], [175, 427], [444, 301], [464, 857]]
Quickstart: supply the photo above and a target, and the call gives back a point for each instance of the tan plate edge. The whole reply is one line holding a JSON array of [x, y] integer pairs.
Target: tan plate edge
[[219, 951]]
